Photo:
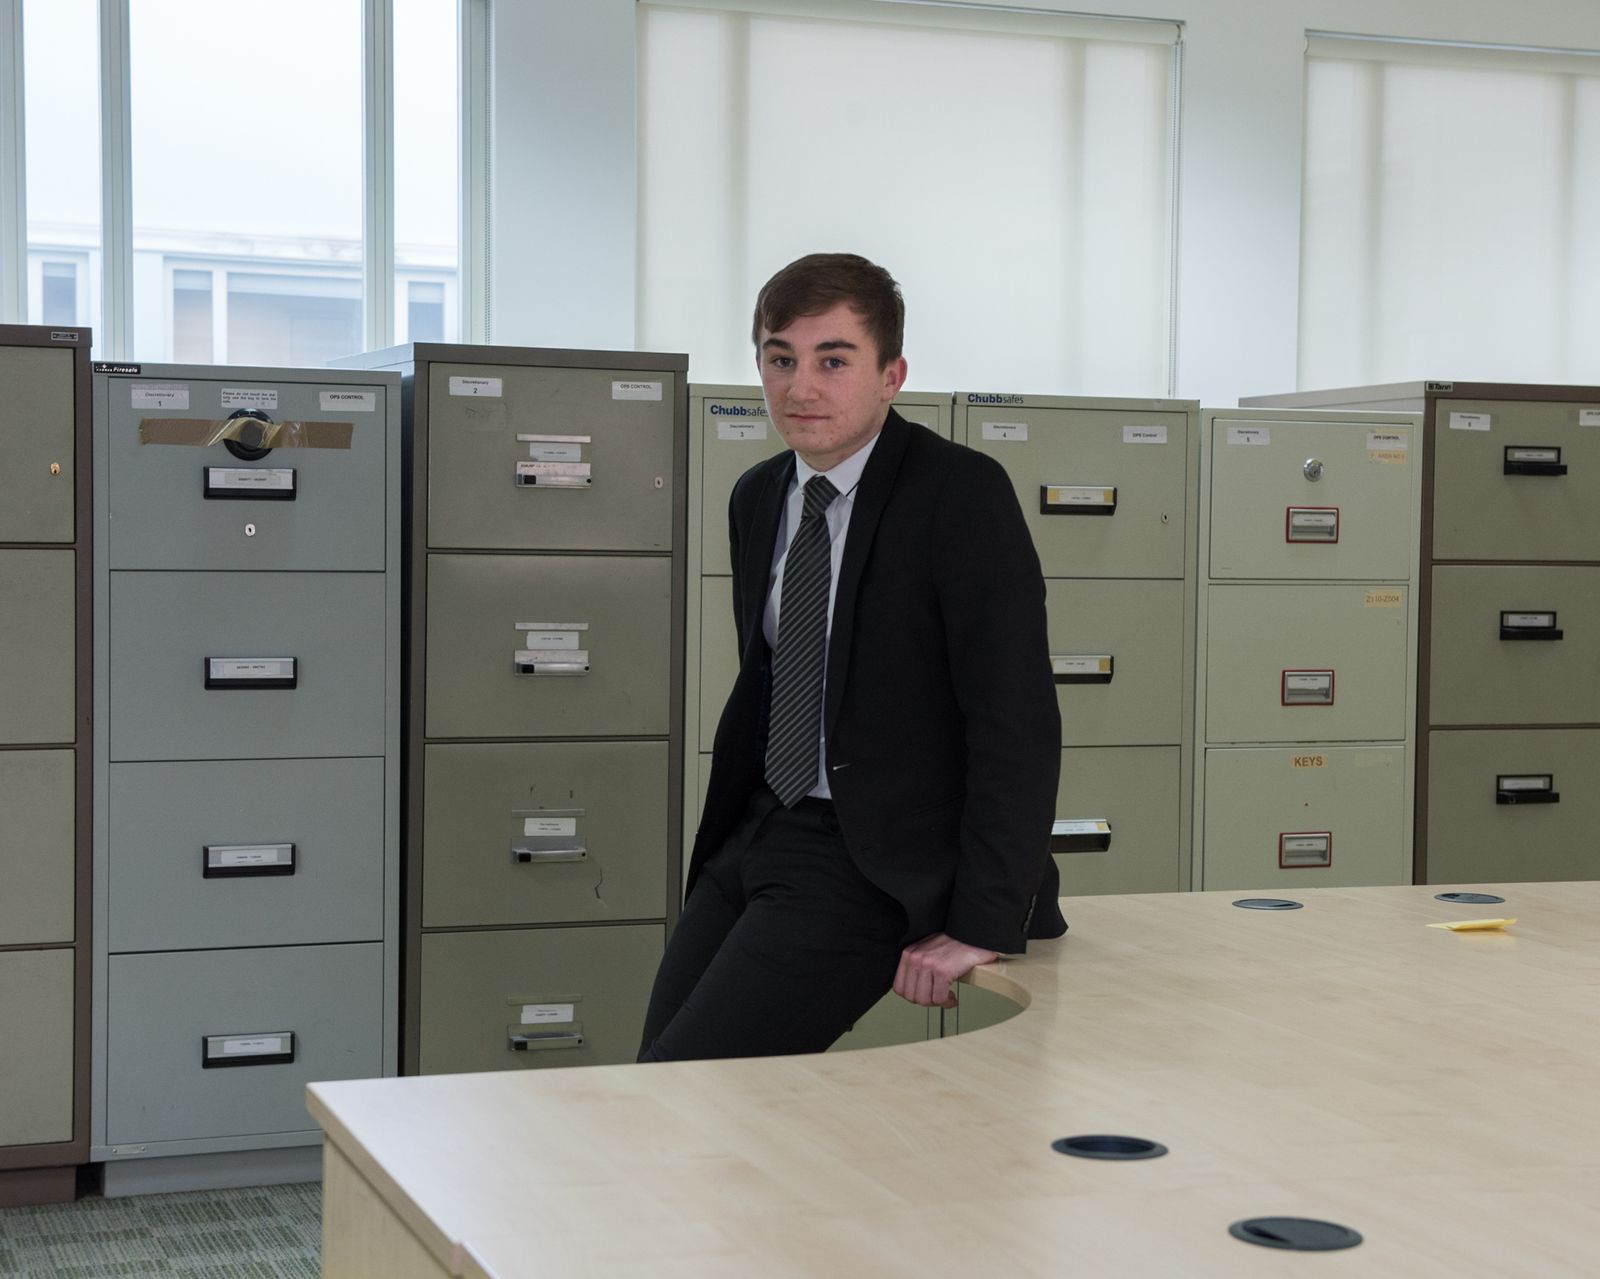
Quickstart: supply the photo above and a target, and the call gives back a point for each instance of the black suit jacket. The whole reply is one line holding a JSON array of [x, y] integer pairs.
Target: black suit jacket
[[943, 735]]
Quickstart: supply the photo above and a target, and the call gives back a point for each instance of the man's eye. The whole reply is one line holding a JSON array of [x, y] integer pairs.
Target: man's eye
[[781, 361], [834, 362]]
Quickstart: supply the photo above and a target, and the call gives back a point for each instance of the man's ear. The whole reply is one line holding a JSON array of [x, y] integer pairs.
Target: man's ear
[[894, 377]]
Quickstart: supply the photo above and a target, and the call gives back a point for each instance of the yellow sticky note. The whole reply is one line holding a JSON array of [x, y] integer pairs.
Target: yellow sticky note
[[1475, 925]]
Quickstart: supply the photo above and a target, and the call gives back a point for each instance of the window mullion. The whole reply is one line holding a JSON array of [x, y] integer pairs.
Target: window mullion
[[377, 256], [13, 169], [115, 339], [475, 221]]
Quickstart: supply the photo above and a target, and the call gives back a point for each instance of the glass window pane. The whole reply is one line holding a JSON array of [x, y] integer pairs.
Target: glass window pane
[[192, 317], [426, 165], [62, 86], [247, 158], [424, 311]]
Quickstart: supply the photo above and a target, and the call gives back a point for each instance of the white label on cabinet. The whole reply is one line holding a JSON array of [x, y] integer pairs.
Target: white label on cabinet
[[1469, 421], [1016, 431], [537, 1014], [636, 390], [547, 640], [741, 430], [349, 401], [160, 395], [235, 397], [549, 825], [1249, 435], [486, 388], [1589, 417], [1144, 435]]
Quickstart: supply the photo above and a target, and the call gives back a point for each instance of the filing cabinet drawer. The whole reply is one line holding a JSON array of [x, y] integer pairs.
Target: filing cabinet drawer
[[1482, 513], [551, 833], [1117, 652], [1140, 458], [892, 1020], [36, 1009], [1270, 519], [1135, 791], [719, 653], [1509, 806], [1293, 663], [186, 506], [485, 609], [38, 634], [170, 1013], [735, 434], [38, 822], [569, 996], [167, 627], [1496, 657], [245, 853], [36, 432], [592, 448], [1305, 817]]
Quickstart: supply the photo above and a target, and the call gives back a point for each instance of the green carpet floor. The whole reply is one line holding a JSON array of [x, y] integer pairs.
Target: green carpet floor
[[265, 1232]]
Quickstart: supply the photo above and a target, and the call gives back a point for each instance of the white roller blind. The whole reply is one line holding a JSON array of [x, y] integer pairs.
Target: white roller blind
[[1013, 171], [1451, 214]]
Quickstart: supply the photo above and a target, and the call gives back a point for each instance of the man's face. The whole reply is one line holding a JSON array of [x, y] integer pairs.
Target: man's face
[[825, 392]]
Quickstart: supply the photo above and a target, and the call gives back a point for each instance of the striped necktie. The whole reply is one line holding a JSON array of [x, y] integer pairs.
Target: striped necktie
[[794, 738]]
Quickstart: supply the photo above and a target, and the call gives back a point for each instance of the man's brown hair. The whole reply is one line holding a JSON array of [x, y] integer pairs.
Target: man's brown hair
[[820, 281]]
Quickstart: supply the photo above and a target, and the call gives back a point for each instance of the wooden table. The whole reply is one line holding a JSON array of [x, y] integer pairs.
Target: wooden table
[[1438, 1092]]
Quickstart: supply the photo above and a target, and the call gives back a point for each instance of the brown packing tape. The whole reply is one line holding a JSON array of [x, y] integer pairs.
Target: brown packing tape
[[248, 431]]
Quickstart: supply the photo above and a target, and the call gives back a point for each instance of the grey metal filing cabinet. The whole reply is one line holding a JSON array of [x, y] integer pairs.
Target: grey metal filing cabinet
[[546, 516], [247, 798], [1108, 487], [46, 688], [729, 433], [1306, 648], [1508, 704]]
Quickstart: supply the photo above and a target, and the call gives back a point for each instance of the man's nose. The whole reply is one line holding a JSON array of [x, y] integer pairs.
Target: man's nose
[[803, 385]]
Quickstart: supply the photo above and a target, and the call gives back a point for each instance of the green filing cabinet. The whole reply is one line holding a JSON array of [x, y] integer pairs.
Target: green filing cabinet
[[46, 765], [545, 611], [246, 937], [1507, 712], [1306, 648], [1108, 489], [729, 433]]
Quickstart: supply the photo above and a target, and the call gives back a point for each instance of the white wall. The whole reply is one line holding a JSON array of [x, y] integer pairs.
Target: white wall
[[565, 230]]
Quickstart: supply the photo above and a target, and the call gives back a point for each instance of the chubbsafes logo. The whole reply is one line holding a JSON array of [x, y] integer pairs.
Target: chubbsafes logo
[[974, 398], [737, 410]]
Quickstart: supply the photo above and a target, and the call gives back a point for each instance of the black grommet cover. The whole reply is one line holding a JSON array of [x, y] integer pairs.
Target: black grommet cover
[[241, 449], [1298, 1234], [1469, 899], [1268, 903], [1105, 1146]]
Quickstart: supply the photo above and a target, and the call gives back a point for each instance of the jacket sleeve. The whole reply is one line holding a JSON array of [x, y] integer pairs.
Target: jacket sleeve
[[992, 602]]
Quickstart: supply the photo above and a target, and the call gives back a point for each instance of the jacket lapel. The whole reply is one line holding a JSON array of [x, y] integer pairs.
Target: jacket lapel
[[755, 570], [877, 483]]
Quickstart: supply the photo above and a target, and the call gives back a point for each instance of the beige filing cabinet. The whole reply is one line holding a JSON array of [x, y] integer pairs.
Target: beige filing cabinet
[[1508, 705], [46, 764], [728, 434], [546, 512], [1306, 648], [1108, 488]]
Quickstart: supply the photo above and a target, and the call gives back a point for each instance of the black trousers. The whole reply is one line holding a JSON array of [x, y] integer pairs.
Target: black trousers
[[781, 947]]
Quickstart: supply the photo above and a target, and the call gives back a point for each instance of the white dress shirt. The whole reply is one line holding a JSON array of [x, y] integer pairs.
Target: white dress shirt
[[844, 477]]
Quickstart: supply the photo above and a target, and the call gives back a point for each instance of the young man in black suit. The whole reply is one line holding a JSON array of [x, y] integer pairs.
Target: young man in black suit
[[884, 774]]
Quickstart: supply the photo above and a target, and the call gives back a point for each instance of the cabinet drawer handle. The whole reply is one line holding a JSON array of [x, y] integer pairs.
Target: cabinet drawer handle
[[539, 1040], [524, 853], [1526, 788], [1524, 625]]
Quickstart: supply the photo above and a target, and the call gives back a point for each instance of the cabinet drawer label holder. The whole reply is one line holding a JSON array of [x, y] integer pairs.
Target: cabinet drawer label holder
[[549, 835], [1311, 524], [254, 861], [252, 672], [249, 483], [272, 1048], [1526, 788], [1529, 460], [1092, 835], [553, 475], [1305, 850], [1307, 688], [545, 1022], [1077, 499], [1529, 626], [1082, 668]]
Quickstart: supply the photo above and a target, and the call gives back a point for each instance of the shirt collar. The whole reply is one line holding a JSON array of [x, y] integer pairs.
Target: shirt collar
[[844, 476]]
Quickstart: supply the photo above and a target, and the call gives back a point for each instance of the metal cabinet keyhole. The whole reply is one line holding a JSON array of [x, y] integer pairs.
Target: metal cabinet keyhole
[[1313, 469], [249, 530]]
